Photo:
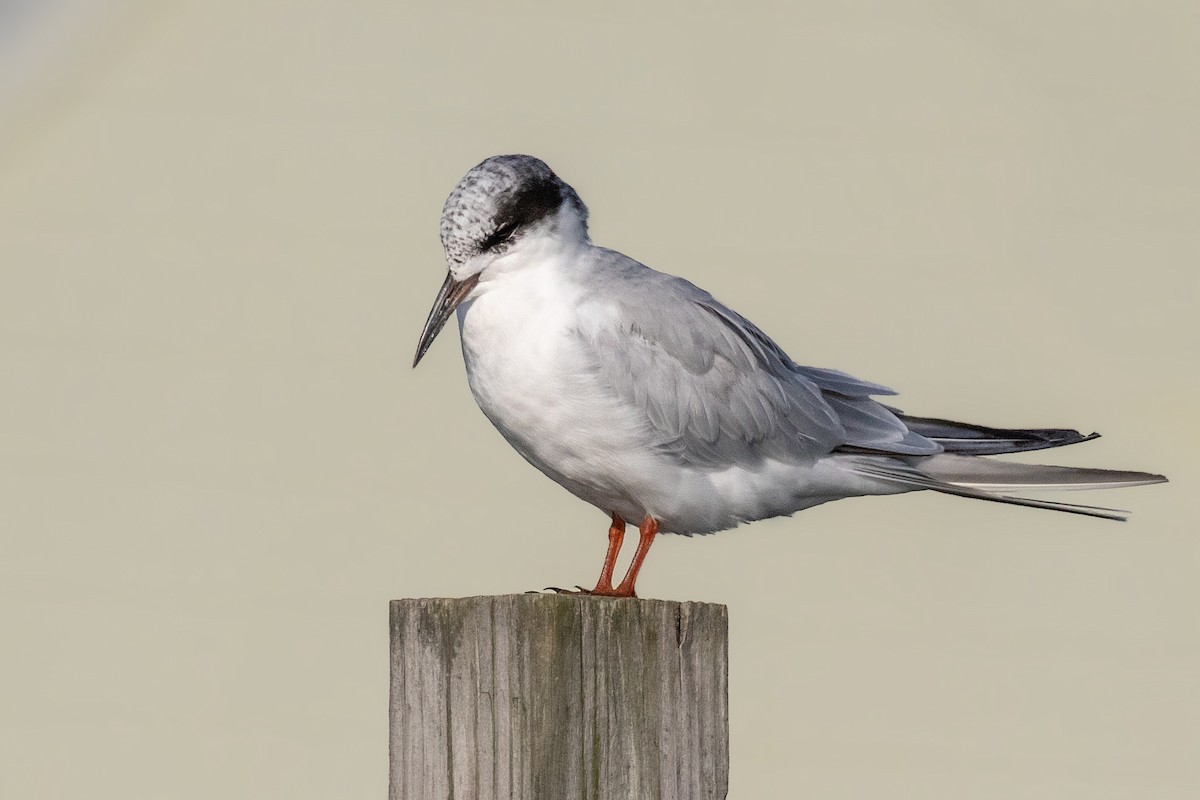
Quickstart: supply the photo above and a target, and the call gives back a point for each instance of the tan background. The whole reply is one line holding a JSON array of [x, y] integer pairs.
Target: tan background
[[218, 242]]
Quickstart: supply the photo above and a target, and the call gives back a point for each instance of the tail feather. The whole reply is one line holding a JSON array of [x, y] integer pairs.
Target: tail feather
[[980, 440], [986, 479], [989, 475]]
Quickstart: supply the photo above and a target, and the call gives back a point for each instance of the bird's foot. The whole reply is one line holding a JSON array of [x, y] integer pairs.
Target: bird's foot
[[599, 591]]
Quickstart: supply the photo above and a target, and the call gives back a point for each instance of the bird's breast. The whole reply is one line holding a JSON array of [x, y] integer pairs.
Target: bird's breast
[[515, 342], [531, 378]]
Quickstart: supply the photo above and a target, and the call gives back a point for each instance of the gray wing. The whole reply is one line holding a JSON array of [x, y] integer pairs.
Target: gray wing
[[714, 388]]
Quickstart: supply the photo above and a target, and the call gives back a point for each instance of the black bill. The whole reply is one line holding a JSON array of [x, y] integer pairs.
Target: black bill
[[448, 297]]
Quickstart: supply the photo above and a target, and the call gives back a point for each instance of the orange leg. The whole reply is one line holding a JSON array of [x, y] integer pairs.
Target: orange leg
[[647, 531], [616, 535]]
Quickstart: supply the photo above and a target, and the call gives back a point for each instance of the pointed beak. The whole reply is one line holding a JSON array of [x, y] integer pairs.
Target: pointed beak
[[448, 297]]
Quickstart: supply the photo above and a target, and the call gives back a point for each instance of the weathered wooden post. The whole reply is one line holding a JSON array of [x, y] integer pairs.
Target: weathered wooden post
[[558, 697]]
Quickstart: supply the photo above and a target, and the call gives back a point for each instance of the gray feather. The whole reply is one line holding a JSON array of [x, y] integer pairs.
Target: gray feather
[[988, 474], [979, 440], [984, 479], [716, 390]]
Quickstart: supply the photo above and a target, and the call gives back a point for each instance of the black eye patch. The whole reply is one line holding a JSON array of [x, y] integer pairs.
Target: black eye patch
[[532, 202], [499, 236]]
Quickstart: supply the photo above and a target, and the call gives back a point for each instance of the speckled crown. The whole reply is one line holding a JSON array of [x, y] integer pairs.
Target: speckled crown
[[512, 190]]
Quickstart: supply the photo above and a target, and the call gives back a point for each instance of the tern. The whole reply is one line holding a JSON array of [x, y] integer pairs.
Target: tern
[[641, 394]]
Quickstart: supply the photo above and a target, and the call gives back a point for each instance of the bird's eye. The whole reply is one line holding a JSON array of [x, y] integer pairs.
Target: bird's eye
[[499, 236]]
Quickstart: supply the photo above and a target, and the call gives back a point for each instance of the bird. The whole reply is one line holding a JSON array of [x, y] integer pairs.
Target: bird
[[643, 395]]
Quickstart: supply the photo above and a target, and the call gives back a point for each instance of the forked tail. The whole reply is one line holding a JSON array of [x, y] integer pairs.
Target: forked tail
[[987, 479]]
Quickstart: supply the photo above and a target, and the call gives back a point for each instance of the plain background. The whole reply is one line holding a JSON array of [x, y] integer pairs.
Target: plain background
[[218, 243]]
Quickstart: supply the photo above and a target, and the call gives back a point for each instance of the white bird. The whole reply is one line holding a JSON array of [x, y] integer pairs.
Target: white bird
[[643, 395]]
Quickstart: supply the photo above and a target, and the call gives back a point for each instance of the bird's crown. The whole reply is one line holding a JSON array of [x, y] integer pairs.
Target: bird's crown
[[498, 200]]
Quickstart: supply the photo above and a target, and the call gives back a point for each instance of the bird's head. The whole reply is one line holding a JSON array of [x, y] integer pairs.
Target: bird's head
[[505, 207]]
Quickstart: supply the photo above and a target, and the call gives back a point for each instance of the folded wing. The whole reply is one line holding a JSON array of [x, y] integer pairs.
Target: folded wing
[[714, 389]]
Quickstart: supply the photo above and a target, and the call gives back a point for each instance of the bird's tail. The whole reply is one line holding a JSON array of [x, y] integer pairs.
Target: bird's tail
[[987, 479]]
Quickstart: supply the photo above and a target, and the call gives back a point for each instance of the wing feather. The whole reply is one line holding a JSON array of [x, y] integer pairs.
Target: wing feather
[[714, 389]]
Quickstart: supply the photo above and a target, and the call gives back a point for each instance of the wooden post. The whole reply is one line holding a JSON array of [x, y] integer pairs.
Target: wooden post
[[558, 697]]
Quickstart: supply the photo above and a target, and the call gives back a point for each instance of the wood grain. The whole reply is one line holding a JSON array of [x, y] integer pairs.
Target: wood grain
[[555, 697]]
